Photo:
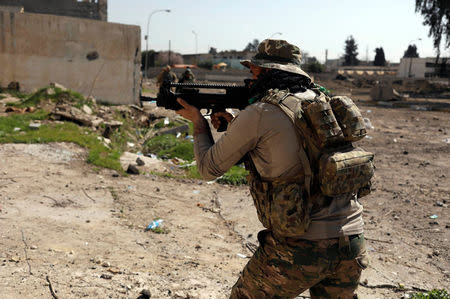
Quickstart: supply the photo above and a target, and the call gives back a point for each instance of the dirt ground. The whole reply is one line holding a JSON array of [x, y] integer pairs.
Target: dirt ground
[[69, 228]]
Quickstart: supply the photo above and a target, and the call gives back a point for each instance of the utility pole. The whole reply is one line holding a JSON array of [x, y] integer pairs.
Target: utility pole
[[146, 38], [168, 63], [367, 54], [195, 33]]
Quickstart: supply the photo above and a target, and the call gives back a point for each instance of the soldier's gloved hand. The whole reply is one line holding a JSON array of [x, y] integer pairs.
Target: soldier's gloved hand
[[215, 118], [189, 112], [193, 114]]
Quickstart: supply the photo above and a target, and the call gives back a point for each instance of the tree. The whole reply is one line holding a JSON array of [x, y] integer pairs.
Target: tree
[[314, 66], [379, 60], [212, 51], [252, 46], [163, 58], [351, 52], [437, 15], [411, 52], [151, 59]]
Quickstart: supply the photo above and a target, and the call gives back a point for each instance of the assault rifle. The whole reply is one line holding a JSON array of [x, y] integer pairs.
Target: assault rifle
[[235, 96]]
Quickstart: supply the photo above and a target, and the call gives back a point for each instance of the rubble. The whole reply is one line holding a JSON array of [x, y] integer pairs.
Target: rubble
[[385, 92], [67, 112]]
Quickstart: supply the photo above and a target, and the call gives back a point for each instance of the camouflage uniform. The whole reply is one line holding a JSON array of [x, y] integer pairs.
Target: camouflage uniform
[[166, 75], [186, 77], [285, 265]]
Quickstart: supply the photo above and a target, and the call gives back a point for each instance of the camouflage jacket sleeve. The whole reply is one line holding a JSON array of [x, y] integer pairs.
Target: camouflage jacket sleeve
[[213, 160]]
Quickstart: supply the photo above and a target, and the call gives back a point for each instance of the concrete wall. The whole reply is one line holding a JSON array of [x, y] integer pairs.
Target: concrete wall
[[36, 49], [91, 9]]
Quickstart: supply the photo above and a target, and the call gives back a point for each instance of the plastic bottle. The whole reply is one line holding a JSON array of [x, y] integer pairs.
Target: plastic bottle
[[154, 224]]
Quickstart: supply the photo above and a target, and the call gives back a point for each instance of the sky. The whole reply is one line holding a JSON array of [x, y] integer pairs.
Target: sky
[[193, 26]]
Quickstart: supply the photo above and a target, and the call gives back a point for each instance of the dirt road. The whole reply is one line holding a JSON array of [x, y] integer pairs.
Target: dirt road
[[83, 227]]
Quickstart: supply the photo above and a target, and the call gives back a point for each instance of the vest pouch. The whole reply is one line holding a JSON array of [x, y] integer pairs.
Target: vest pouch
[[289, 209], [259, 192], [345, 171], [323, 122], [349, 118]]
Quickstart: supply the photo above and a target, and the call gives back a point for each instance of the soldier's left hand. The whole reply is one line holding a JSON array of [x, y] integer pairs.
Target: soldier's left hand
[[189, 112]]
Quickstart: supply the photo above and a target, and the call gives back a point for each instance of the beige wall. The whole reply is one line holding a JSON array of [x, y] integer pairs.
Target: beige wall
[[37, 49]]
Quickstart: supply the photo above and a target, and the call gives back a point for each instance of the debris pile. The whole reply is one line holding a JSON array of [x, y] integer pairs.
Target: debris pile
[[123, 127]]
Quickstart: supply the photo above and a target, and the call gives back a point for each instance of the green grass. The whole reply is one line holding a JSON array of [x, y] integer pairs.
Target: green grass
[[235, 176], [434, 294], [16, 94], [170, 146], [99, 154], [58, 94]]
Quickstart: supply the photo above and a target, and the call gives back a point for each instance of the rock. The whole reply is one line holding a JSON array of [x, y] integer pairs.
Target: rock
[[14, 85], [132, 169], [106, 276], [145, 294], [385, 92], [50, 91], [174, 131], [34, 126], [114, 270], [86, 109], [57, 85], [8, 99], [106, 264], [140, 162], [33, 247], [113, 123], [14, 259]]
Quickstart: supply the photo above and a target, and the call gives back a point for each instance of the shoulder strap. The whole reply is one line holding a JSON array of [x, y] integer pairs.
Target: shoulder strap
[[290, 105]]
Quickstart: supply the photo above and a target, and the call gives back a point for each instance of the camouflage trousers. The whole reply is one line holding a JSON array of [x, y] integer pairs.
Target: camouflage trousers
[[284, 268]]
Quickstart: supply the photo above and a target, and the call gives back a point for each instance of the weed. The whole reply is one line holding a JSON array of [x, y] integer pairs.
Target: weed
[[433, 294], [53, 94], [165, 175], [99, 154], [235, 176], [171, 147], [160, 230], [114, 194]]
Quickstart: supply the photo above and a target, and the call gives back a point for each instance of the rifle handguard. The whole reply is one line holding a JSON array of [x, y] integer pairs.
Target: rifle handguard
[[235, 96]]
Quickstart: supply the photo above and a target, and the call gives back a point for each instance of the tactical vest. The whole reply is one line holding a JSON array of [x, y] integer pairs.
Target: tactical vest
[[326, 128]]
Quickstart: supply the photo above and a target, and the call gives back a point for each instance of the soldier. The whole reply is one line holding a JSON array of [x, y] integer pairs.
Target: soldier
[[311, 241], [186, 77], [165, 75]]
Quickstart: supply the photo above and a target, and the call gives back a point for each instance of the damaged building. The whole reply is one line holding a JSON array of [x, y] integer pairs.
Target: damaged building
[[90, 9], [69, 42]]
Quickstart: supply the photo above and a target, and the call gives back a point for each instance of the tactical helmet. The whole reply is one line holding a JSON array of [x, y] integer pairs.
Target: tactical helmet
[[277, 54]]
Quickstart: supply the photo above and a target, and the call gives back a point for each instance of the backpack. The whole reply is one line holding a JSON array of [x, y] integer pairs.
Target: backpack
[[326, 128]]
